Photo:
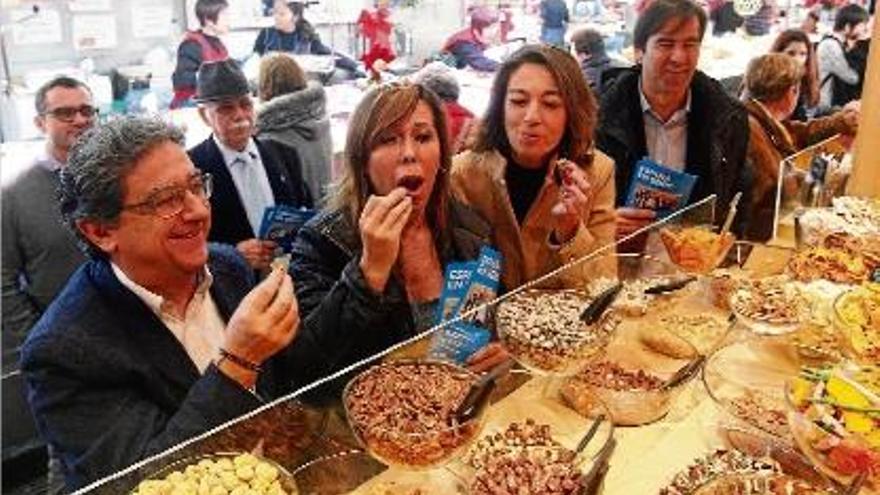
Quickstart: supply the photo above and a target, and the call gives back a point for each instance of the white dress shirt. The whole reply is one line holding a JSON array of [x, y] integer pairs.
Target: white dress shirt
[[250, 179], [202, 328], [666, 141]]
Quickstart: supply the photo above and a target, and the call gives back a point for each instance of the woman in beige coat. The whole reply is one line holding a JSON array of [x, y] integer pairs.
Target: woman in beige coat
[[535, 175]]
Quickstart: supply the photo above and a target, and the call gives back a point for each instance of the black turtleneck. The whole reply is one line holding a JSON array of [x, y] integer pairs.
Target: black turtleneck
[[523, 186]]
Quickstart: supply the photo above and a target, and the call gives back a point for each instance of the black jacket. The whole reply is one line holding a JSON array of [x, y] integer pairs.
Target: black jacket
[[343, 320], [109, 384], [230, 224], [717, 139]]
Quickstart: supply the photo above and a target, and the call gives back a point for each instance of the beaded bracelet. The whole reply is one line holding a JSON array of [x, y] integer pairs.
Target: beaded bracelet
[[240, 361]]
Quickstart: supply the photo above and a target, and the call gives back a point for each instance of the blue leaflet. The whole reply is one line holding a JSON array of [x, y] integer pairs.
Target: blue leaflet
[[467, 285], [659, 188], [281, 223]]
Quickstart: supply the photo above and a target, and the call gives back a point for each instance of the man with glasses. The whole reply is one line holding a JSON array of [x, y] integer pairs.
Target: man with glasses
[[249, 175], [39, 254], [158, 337]]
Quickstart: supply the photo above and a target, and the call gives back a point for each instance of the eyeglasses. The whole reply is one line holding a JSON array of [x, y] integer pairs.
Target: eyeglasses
[[67, 114], [169, 201]]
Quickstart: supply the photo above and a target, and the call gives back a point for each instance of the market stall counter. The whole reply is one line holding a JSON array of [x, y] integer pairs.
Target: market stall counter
[[691, 381]]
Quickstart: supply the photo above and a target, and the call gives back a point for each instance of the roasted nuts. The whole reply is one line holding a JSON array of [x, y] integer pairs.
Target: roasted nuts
[[405, 412]]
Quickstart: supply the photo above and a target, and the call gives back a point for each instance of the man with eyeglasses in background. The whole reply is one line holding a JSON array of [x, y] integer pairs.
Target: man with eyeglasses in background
[[159, 337], [39, 254]]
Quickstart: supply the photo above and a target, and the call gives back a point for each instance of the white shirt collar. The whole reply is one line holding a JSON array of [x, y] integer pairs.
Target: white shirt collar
[[646, 105], [47, 161], [154, 301], [230, 155]]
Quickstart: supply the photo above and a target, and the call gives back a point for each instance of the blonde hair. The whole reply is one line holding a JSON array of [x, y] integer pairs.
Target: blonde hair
[[387, 107], [279, 75], [770, 76]]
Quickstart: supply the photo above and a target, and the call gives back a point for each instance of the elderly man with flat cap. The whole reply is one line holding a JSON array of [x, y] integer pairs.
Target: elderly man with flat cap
[[249, 174]]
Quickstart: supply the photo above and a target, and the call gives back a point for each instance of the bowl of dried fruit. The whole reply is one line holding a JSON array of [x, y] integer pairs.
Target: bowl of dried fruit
[[834, 416], [637, 380], [543, 330], [404, 412], [857, 317], [220, 473], [537, 457], [769, 306], [697, 250]]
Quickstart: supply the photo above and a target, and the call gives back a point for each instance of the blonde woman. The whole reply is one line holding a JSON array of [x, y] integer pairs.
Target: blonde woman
[[369, 268]]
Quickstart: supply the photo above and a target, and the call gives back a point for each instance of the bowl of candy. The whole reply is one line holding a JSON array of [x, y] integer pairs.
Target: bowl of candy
[[220, 473], [543, 330], [404, 412], [834, 417]]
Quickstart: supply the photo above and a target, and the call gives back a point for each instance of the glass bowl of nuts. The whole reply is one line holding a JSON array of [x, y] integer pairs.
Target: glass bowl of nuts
[[537, 455], [637, 380], [221, 472], [403, 412], [769, 306], [746, 381], [543, 330]]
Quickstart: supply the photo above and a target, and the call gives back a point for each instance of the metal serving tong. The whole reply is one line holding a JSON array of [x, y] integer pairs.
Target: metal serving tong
[[478, 396], [592, 313], [592, 480], [670, 286], [685, 373], [856, 486]]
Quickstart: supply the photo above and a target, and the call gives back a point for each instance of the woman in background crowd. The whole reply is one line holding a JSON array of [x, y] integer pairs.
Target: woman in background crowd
[[535, 175], [292, 33], [773, 83], [467, 45], [796, 44], [369, 268], [294, 113]]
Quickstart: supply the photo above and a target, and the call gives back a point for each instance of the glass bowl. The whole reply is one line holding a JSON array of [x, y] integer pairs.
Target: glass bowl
[[826, 415], [401, 412], [630, 379], [698, 249], [762, 484], [543, 331], [857, 318], [229, 470], [510, 455], [770, 306], [746, 381], [638, 272]]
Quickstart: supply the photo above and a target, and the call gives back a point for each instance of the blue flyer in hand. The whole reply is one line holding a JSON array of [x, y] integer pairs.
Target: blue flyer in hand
[[455, 286], [281, 223], [659, 188], [467, 285]]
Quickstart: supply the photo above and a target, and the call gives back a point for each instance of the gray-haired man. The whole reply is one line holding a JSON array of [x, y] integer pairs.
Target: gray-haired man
[[158, 337]]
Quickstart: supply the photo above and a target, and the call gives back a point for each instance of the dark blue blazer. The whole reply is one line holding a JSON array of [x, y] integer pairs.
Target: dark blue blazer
[[109, 384], [230, 224]]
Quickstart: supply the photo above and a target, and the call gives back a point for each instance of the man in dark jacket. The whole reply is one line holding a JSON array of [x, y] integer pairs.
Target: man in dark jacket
[[667, 110], [249, 175], [158, 338], [554, 20]]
